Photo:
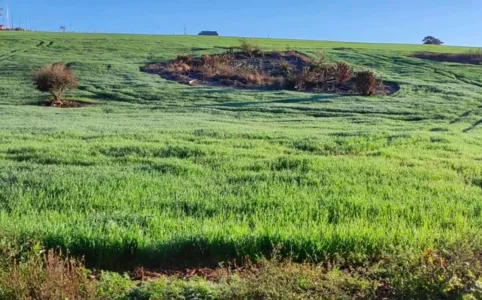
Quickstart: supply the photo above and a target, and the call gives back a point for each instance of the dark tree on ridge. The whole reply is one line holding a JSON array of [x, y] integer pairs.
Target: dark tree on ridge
[[430, 40]]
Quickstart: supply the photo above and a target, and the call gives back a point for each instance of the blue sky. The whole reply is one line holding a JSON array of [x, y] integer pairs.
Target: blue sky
[[456, 22]]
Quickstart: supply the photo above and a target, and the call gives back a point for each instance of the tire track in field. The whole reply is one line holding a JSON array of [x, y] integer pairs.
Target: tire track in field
[[21, 50], [443, 73], [479, 122], [465, 115]]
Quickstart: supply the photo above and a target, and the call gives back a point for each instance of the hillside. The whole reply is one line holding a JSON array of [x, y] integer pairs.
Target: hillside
[[163, 174]]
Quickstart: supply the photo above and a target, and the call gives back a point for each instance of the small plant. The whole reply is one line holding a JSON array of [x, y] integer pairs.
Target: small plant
[[250, 48], [55, 79], [365, 83], [284, 69], [320, 58]]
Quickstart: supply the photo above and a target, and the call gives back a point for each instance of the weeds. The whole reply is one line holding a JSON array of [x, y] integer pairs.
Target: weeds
[[455, 273], [45, 276]]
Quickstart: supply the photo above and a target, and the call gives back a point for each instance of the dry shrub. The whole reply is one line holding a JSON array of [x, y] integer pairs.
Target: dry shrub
[[342, 72], [310, 78], [225, 69], [207, 71], [254, 77], [284, 69], [46, 276], [216, 60], [184, 59], [365, 83], [55, 79], [207, 60], [179, 67]]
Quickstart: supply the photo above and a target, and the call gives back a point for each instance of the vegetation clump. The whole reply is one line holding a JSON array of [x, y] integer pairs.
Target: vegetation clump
[[365, 83], [251, 68], [250, 48], [55, 79], [430, 40], [454, 273]]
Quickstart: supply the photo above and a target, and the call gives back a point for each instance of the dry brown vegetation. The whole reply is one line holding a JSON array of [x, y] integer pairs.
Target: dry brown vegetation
[[55, 79], [46, 276], [253, 68], [365, 83]]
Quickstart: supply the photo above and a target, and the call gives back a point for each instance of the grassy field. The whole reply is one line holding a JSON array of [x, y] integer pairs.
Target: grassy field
[[160, 173]]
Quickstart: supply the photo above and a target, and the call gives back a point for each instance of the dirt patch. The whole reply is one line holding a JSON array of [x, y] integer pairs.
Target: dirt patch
[[277, 70], [462, 58], [65, 103]]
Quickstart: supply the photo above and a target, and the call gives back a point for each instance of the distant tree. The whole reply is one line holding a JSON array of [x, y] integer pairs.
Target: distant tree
[[430, 40], [62, 28], [55, 79]]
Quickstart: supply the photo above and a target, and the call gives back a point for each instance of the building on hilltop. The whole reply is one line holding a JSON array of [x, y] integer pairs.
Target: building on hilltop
[[211, 33]]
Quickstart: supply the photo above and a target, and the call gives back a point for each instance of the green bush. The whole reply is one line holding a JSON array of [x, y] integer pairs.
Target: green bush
[[250, 48]]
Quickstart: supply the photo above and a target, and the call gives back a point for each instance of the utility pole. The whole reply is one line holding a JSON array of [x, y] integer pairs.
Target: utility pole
[[7, 19]]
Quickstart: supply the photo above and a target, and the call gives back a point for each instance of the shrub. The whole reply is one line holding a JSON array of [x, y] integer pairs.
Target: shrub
[[55, 79], [342, 72], [284, 69], [215, 60], [320, 58], [179, 67], [114, 286], [184, 59], [310, 78], [254, 77], [45, 276], [476, 53], [365, 83], [250, 48]]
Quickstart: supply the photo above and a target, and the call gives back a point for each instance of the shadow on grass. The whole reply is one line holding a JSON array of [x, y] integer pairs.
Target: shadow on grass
[[189, 252], [312, 99]]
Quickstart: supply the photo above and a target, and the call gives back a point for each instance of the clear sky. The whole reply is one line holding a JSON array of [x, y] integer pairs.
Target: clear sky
[[456, 22]]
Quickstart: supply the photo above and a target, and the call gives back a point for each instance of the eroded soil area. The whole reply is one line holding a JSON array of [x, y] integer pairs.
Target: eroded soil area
[[277, 70]]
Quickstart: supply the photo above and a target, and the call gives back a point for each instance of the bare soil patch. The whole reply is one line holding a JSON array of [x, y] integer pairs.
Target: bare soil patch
[[65, 103], [462, 58], [276, 70]]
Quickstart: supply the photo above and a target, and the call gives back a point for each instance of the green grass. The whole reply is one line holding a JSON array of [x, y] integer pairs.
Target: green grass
[[161, 173]]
